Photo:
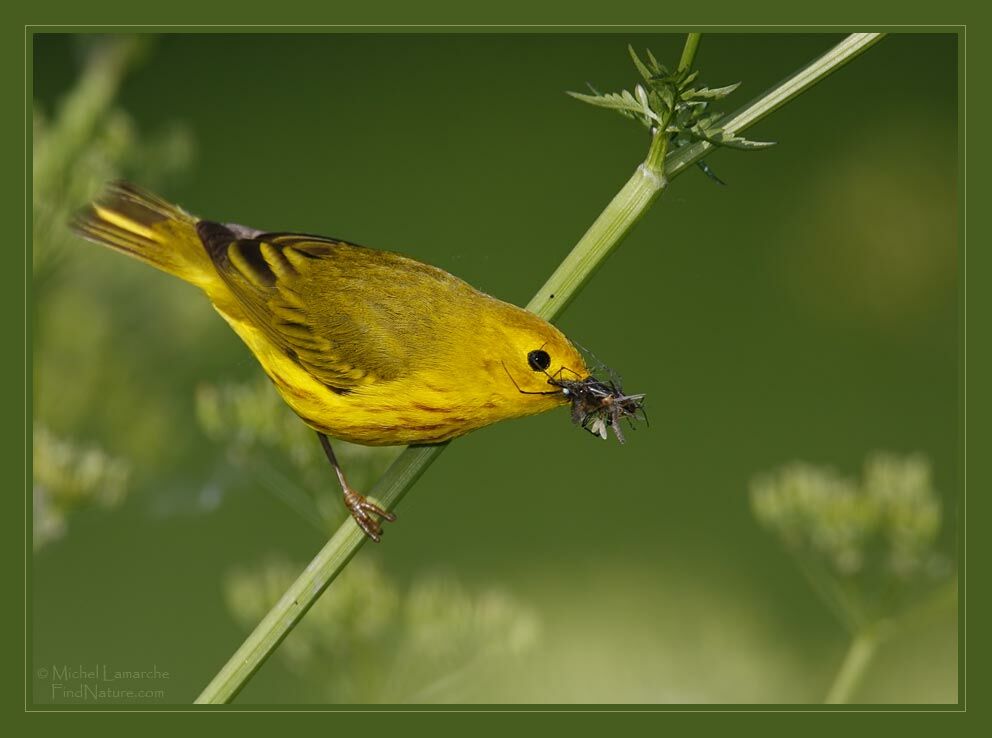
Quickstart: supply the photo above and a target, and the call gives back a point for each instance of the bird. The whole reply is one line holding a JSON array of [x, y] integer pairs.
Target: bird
[[364, 345]]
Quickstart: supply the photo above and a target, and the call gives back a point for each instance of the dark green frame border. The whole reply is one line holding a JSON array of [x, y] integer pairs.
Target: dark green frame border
[[960, 31]]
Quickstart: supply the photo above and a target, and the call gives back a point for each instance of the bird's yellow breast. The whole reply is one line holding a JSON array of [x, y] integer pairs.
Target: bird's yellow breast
[[430, 406]]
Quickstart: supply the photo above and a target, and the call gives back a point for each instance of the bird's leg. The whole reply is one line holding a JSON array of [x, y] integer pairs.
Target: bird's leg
[[362, 510]]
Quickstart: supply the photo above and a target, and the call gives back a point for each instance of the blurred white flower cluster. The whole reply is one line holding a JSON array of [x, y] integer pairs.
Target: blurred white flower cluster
[[366, 640], [868, 547], [78, 144], [68, 477], [252, 413], [893, 511], [260, 432]]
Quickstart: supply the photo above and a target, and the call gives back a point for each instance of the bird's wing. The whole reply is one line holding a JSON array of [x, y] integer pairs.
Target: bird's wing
[[347, 314]]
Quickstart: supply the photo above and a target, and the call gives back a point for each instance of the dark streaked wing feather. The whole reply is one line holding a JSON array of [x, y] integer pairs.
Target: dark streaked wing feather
[[341, 311]]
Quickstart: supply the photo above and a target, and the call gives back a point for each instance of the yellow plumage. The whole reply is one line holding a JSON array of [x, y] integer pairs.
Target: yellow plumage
[[364, 345]]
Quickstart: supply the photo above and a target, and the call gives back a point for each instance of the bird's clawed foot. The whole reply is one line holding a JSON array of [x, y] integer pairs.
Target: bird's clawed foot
[[366, 514]]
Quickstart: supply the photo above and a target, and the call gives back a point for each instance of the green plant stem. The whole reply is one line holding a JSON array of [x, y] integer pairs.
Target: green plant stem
[[603, 236], [689, 52], [606, 232], [856, 661], [870, 636], [790, 88], [595, 246], [831, 592], [320, 572]]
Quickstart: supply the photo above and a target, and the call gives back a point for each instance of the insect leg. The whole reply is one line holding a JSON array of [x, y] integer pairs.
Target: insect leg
[[615, 421]]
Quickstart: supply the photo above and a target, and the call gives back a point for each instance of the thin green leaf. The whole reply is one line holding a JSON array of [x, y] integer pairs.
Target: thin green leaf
[[645, 72], [719, 137], [706, 93], [709, 122], [667, 96], [737, 142], [655, 65], [690, 78], [642, 98], [623, 101]]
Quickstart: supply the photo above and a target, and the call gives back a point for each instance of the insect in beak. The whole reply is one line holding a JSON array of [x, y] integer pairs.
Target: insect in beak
[[598, 405]]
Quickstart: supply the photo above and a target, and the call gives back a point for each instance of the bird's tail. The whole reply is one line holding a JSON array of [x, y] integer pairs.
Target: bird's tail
[[147, 227]]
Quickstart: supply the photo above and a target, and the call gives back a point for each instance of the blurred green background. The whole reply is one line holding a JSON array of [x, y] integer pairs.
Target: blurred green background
[[808, 311]]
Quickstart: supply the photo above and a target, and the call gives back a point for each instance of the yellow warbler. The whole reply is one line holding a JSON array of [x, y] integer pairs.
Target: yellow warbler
[[364, 345]]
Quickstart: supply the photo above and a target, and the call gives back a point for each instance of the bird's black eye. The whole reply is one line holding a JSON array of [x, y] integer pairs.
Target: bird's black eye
[[538, 360]]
